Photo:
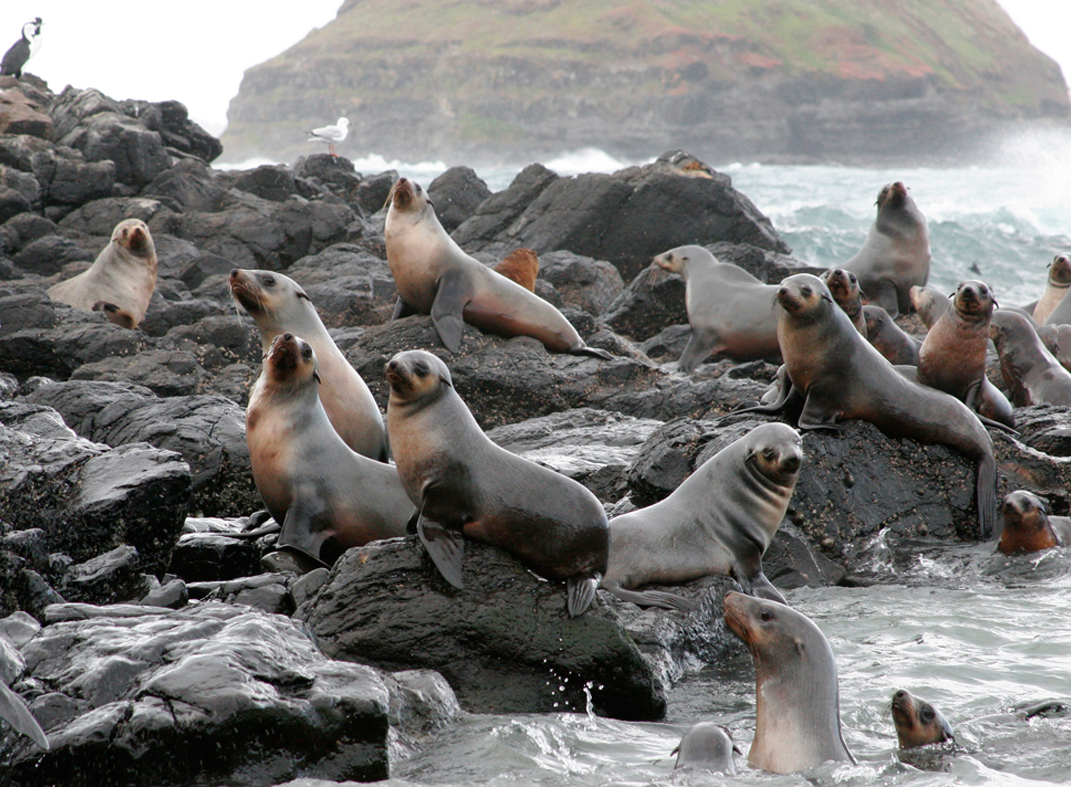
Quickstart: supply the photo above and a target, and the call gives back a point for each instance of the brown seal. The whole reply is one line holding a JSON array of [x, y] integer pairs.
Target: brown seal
[[728, 308], [325, 495], [434, 276], [1031, 373], [953, 354], [1029, 528], [1057, 340], [720, 520], [896, 253], [929, 304], [888, 338], [522, 266], [917, 722], [120, 282], [797, 697], [847, 294], [840, 375], [465, 485], [1055, 290], [279, 305], [706, 746]]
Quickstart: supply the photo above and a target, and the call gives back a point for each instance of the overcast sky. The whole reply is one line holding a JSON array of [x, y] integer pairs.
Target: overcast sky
[[196, 51]]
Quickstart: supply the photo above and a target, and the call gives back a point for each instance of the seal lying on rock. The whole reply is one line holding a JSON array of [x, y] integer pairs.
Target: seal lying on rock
[[708, 747], [434, 276], [120, 282], [522, 266], [720, 520], [464, 485], [917, 722], [1031, 373], [1029, 528], [326, 496], [1055, 289], [889, 339]]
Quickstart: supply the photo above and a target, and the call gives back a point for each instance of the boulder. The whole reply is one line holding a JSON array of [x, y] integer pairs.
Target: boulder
[[456, 194], [591, 285], [653, 301], [167, 372], [500, 210], [20, 114], [348, 285]]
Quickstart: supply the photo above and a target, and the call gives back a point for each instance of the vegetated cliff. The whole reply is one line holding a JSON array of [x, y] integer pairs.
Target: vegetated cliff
[[511, 80]]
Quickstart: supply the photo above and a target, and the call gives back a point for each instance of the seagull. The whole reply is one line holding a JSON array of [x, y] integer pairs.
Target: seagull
[[15, 57], [331, 134]]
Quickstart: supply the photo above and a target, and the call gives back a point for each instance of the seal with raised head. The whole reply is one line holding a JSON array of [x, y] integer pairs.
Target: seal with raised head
[[847, 294], [953, 354], [522, 266], [889, 339], [1029, 528], [797, 696], [279, 305], [728, 308], [929, 303], [706, 746], [1031, 373], [120, 282], [840, 375], [896, 253], [1055, 289], [434, 276], [720, 520], [463, 485], [917, 722], [326, 496]]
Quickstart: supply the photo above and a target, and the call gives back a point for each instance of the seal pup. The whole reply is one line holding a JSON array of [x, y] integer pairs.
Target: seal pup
[[434, 276], [463, 485], [728, 308], [889, 339], [844, 287], [120, 282], [720, 520], [896, 253], [1058, 281], [839, 375], [279, 305], [797, 697], [929, 304], [522, 266], [326, 496], [917, 722], [953, 354], [1029, 528], [1031, 373], [706, 746]]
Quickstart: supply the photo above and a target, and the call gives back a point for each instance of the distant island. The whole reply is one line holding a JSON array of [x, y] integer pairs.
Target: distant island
[[511, 81]]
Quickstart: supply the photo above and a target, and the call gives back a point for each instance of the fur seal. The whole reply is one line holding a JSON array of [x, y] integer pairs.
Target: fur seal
[[728, 308], [953, 354], [522, 266], [464, 485], [929, 304], [706, 746], [326, 496], [434, 276], [844, 287], [1057, 340], [720, 520], [13, 710], [1031, 373], [1055, 290], [1029, 528], [917, 722], [840, 375], [279, 305], [797, 698], [120, 282], [896, 253], [889, 339]]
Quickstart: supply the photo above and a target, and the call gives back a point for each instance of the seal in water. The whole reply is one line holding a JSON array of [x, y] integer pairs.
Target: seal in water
[[706, 746], [464, 485], [1029, 528], [720, 520], [917, 722], [1055, 290], [1031, 373]]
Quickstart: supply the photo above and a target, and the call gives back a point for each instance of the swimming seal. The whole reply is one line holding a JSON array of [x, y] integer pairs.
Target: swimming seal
[[917, 722], [1055, 289], [797, 697], [279, 305], [326, 496], [844, 287], [839, 375], [434, 276], [888, 338], [1029, 528], [728, 308], [720, 520], [522, 266], [896, 253], [120, 282], [706, 746], [464, 485], [1031, 373]]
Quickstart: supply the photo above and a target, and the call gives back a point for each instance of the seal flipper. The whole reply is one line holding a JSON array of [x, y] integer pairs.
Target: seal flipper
[[580, 592], [593, 352], [114, 314], [446, 548], [448, 309], [814, 416], [696, 350], [14, 711], [402, 309], [761, 587], [652, 598], [300, 531]]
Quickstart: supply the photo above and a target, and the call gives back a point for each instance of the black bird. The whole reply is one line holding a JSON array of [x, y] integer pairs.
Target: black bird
[[16, 57]]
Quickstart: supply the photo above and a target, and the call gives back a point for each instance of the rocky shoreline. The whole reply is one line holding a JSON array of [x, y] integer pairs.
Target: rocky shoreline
[[137, 623]]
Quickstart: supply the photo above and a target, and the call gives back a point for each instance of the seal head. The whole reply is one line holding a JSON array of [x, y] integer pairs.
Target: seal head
[[707, 746], [917, 722], [1028, 527]]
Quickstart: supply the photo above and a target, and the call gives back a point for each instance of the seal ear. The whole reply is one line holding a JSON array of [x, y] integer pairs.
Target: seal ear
[[827, 297], [316, 376], [801, 647]]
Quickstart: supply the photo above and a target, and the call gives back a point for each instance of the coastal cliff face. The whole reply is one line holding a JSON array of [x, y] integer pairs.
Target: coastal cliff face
[[495, 81]]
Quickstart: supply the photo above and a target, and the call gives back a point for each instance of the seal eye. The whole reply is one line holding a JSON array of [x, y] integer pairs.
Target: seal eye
[[806, 290], [306, 351], [420, 369], [269, 280], [769, 454], [926, 714], [765, 614]]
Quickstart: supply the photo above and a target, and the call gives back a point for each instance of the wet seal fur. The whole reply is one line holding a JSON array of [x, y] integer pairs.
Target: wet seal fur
[[896, 253], [797, 696], [929, 303], [464, 485], [1031, 373], [434, 276], [889, 339], [728, 308], [120, 282], [707, 746], [279, 305], [839, 375], [522, 266], [1049, 308], [917, 722], [326, 496], [844, 287], [1029, 528], [720, 520]]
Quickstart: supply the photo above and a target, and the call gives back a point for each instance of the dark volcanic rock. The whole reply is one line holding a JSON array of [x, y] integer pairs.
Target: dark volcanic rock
[[348, 285], [456, 194], [165, 372], [652, 301], [591, 285], [1046, 428], [500, 210]]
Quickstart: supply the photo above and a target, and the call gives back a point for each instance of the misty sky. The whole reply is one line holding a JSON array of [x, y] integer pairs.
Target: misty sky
[[196, 51]]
